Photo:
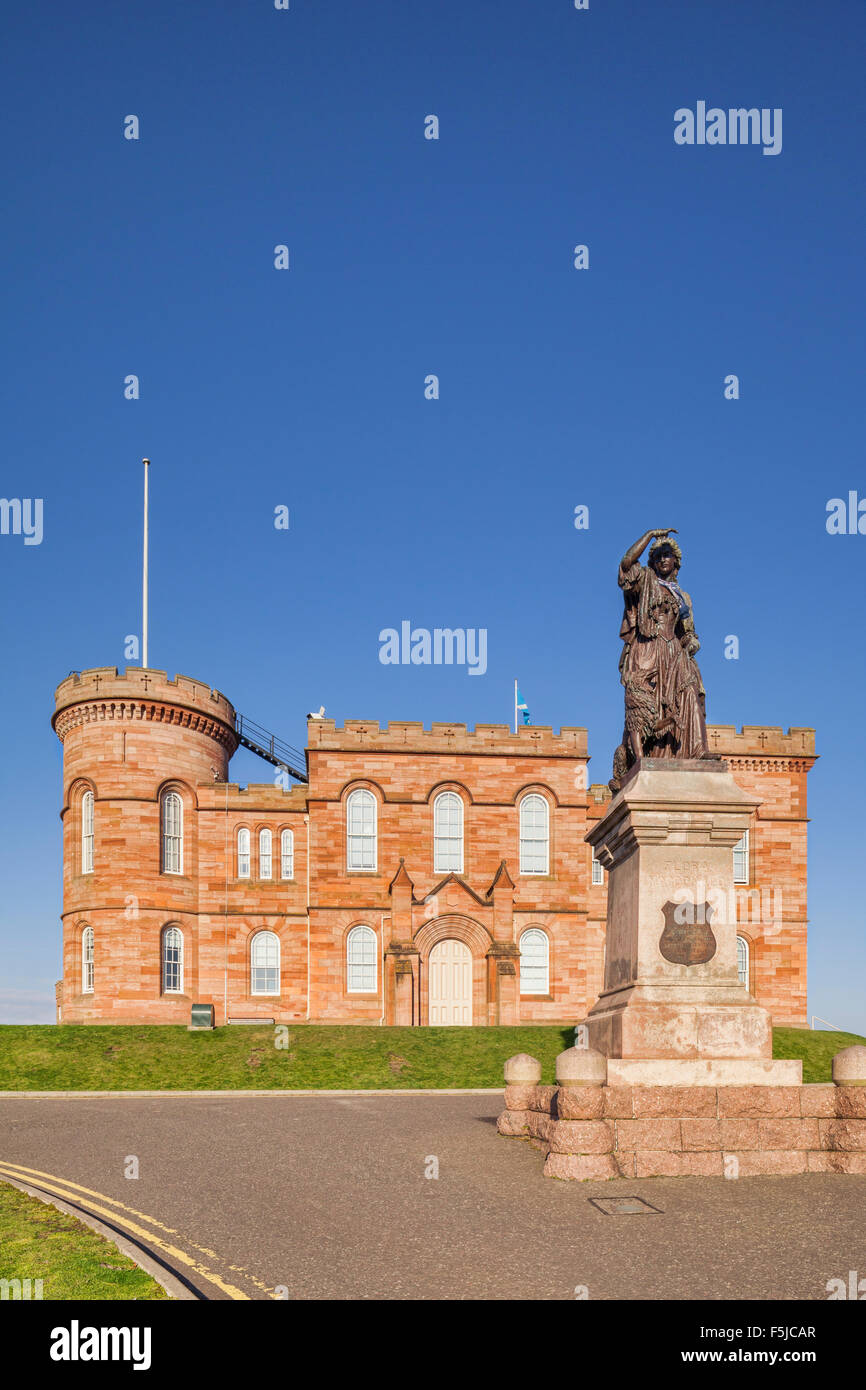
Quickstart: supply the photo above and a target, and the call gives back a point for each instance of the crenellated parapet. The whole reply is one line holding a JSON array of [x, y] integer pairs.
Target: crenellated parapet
[[103, 695], [760, 747], [529, 741]]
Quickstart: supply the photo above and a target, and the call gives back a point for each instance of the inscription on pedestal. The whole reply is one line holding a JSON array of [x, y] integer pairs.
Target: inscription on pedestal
[[687, 938]]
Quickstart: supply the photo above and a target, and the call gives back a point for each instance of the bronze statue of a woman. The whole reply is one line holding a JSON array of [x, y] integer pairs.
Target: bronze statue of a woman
[[665, 702]]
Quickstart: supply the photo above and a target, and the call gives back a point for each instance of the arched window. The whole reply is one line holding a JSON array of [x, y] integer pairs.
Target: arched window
[[534, 837], [287, 854], [243, 853], [265, 854], [265, 963], [172, 961], [87, 833], [361, 830], [361, 960], [741, 859], [172, 833], [534, 962], [448, 833], [743, 960], [87, 961]]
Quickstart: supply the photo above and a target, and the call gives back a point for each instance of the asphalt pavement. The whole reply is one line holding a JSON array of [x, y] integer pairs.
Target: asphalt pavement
[[415, 1197]]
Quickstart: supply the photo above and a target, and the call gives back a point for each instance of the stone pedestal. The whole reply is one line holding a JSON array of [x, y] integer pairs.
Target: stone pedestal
[[672, 1010]]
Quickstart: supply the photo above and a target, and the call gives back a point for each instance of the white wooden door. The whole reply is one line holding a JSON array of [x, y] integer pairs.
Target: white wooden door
[[450, 984]]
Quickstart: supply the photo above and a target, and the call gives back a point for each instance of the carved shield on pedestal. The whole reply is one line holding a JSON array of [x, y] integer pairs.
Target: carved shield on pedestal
[[688, 937]]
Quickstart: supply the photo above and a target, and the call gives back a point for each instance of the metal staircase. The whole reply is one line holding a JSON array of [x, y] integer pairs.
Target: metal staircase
[[269, 747]]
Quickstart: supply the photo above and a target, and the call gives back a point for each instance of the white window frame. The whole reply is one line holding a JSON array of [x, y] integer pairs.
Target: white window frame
[[87, 961], [266, 854], [174, 968], [597, 871], [361, 843], [542, 986], [243, 845], [87, 833], [741, 859], [269, 942], [448, 834], [527, 841], [172, 833], [747, 954], [287, 854], [360, 942]]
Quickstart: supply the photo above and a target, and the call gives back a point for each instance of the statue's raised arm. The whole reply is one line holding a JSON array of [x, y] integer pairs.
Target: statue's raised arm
[[664, 696], [634, 552]]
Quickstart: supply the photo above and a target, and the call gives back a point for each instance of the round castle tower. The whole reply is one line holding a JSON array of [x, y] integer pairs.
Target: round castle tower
[[135, 748]]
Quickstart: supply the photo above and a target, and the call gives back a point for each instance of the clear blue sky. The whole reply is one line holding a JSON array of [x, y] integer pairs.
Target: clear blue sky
[[408, 257]]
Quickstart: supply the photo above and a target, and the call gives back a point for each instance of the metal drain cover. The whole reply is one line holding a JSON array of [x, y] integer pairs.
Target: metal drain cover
[[625, 1206]]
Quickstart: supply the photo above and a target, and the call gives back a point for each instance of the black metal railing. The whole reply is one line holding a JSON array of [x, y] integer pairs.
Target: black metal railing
[[268, 746]]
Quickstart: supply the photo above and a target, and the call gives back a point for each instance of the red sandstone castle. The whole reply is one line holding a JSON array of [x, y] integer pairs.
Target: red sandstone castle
[[410, 877]]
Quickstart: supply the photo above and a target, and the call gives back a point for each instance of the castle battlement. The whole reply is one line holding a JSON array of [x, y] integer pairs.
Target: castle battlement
[[761, 741], [410, 735], [137, 693], [755, 742]]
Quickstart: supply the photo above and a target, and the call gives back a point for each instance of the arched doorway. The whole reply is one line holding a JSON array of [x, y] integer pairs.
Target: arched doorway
[[450, 970]]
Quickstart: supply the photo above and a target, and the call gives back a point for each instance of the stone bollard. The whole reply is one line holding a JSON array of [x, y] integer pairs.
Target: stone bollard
[[581, 1140], [522, 1070], [581, 1072], [522, 1075], [849, 1066], [581, 1066]]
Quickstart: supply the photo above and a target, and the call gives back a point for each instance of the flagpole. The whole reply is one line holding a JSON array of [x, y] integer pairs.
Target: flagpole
[[515, 706], [146, 463]]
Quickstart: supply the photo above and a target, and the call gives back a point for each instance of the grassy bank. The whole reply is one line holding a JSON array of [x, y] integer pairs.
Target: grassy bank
[[817, 1049], [115, 1057], [38, 1242], [73, 1057]]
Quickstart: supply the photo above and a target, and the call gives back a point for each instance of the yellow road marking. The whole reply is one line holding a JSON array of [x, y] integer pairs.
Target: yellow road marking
[[61, 1187], [169, 1230], [143, 1216]]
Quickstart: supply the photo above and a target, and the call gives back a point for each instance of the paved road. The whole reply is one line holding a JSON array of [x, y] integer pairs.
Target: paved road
[[327, 1197]]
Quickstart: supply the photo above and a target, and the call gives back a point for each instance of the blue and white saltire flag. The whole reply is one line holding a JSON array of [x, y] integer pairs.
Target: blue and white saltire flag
[[523, 707]]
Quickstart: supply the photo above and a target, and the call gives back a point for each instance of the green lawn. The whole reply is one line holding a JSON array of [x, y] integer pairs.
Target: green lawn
[[816, 1049], [40, 1242], [131, 1058]]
